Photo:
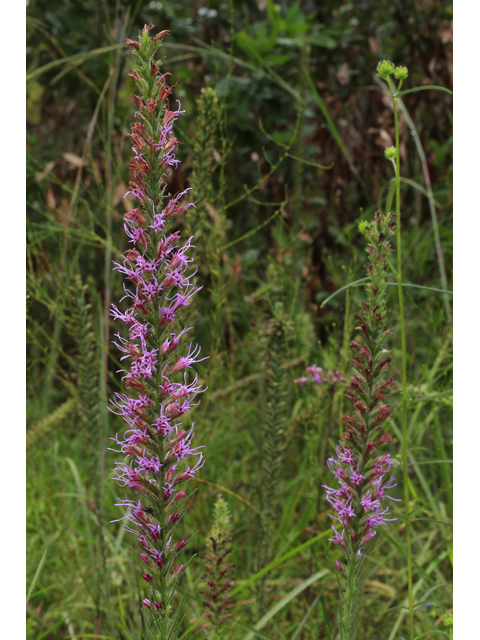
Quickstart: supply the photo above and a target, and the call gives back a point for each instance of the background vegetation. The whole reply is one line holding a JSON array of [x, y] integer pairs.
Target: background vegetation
[[276, 235]]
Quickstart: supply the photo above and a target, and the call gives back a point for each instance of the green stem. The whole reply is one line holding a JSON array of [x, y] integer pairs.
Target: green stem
[[404, 363], [431, 202]]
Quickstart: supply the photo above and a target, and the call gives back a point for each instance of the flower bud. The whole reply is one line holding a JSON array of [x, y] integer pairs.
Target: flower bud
[[132, 43], [390, 153], [173, 518], [170, 474], [400, 73], [368, 536], [363, 228], [385, 68], [161, 35], [180, 545]]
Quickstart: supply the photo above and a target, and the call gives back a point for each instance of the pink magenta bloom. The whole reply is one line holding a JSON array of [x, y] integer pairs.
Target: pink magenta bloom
[[157, 455]]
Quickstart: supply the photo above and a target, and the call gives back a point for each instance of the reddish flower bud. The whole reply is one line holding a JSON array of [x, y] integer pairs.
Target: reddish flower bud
[[131, 383], [386, 438], [368, 536], [169, 475], [151, 105], [384, 412], [137, 100], [135, 75], [154, 68], [162, 34], [369, 448], [132, 43], [145, 559], [164, 92]]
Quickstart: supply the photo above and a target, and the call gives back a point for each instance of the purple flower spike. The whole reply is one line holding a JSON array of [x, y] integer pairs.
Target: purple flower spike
[[157, 454], [361, 473]]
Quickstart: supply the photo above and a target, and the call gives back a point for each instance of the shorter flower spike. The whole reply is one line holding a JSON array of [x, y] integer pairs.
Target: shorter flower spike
[[360, 471], [218, 570]]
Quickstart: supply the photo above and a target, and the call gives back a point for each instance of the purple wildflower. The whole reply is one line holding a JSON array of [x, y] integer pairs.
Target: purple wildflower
[[158, 455], [361, 473], [317, 376]]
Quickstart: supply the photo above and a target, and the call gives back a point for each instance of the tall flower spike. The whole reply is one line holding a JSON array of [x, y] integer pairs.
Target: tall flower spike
[[157, 455], [360, 470]]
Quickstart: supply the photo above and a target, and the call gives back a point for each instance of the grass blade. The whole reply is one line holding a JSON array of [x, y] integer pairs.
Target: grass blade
[[285, 600], [278, 561], [37, 573], [307, 615], [357, 283]]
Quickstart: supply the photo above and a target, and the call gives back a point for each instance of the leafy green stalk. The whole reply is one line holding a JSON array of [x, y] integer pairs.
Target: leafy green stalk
[[271, 439]]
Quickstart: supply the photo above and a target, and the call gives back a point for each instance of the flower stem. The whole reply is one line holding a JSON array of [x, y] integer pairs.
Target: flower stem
[[404, 361]]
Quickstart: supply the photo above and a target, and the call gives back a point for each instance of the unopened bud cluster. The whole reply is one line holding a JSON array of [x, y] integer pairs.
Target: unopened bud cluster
[[386, 68]]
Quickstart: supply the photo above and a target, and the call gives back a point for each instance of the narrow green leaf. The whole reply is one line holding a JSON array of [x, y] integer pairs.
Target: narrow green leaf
[[419, 188], [37, 573], [357, 283], [331, 126], [419, 286], [344, 288], [278, 561], [430, 86], [75, 60], [91, 635], [259, 634], [285, 600], [307, 615], [253, 231], [390, 194], [435, 395]]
